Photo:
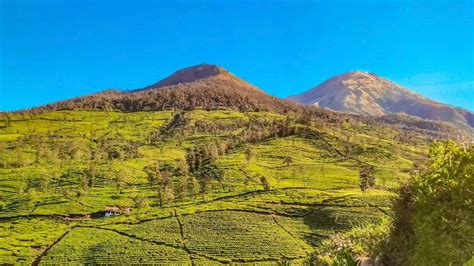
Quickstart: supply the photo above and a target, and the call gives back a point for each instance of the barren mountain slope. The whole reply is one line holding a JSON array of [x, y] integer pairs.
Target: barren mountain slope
[[366, 93]]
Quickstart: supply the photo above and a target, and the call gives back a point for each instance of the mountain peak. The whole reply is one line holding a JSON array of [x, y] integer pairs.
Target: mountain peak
[[358, 74], [201, 72], [190, 74]]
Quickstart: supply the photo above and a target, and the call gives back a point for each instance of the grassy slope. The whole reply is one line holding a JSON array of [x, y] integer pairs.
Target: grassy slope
[[314, 196]]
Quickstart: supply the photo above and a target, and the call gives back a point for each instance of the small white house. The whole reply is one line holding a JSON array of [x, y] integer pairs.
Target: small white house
[[114, 211]]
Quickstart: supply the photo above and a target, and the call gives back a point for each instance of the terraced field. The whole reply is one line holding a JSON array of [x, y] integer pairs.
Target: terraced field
[[271, 199]]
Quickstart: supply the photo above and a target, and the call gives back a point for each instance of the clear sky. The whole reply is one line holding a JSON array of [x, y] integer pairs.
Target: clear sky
[[52, 50]]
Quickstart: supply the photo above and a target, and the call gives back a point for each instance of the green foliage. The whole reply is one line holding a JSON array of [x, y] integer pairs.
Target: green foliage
[[286, 175], [265, 183], [367, 178], [361, 241], [434, 218], [230, 235], [140, 201], [96, 246]]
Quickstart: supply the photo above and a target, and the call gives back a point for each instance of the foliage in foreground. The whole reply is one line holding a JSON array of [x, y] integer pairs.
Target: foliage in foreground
[[347, 248], [434, 218]]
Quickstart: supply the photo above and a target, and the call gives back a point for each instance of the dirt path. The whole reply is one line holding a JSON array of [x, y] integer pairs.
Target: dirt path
[[38, 258]]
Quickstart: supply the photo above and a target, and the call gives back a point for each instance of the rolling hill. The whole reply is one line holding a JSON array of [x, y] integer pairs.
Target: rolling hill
[[368, 94]]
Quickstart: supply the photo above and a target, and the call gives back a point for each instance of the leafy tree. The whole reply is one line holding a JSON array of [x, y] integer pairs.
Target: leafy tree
[[249, 153], [120, 179], [8, 121], [433, 213], [45, 180], [165, 192], [367, 178], [194, 187], [91, 174], [168, 194], [32, 198], [221, 178], [3, 163], [264, 182], [213, 151], [84, 182], [140, 201], [204, 182], [288, 160], [78, 193], [183, 167], [154, 175], [182, 187]]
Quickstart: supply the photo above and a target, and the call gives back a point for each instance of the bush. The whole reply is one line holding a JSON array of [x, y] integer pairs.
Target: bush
[[345, 248], [433, 214]]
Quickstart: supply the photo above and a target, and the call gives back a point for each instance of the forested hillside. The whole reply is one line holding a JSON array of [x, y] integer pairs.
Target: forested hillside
[[186, 174]]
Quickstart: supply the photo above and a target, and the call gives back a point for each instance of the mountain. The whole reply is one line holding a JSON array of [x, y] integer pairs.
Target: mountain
[[211, 87], [369, 94], [201, 72], [196, 184], [203, 86]]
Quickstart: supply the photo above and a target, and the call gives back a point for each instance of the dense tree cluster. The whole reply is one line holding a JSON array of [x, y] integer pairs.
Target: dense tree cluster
[[218, 94]]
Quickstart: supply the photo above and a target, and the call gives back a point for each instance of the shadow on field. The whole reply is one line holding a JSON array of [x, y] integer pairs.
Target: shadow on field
[[324, 221]]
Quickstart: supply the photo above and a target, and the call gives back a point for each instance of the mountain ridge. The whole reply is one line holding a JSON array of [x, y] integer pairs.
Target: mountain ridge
[[210, 87]]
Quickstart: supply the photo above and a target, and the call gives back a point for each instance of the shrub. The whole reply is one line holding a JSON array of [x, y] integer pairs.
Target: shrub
[[433, 214], [345, 248]]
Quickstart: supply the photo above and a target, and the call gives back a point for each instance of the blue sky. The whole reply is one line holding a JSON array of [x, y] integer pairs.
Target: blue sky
[[53, 50]]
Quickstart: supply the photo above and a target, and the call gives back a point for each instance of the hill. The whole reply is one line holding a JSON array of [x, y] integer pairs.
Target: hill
[[366, 93], [203, 86]]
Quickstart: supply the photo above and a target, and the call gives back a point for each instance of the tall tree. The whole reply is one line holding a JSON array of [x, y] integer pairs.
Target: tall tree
[[153, 174], [45, 180], [183, 167], [367, 178], [194, 187], [182, 187], [204, 182], [165, 192], [264, 182], [91, 175], [221, 178], [7, 121], [288, 160], [120, 179], [3, 163], [249, 153]]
